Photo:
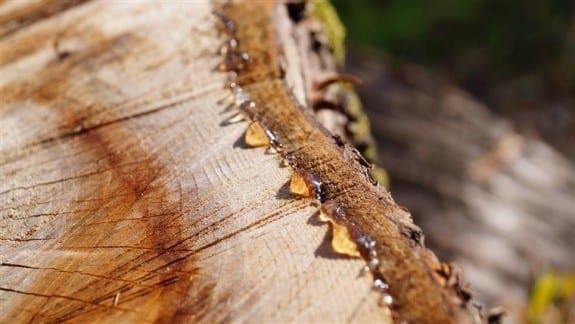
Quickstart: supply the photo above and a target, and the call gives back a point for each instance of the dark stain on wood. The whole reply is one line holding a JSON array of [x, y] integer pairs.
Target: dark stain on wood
[[137, 184], [34, 12], [125, 178]]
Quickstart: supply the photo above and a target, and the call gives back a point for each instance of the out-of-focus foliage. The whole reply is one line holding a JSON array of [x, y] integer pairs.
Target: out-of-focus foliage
[[335, 31], [517, 56], [511, 36], [550, 299]]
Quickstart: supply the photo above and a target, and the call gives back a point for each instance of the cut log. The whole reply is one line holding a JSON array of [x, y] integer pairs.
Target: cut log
[[127, 193], [124, 197]]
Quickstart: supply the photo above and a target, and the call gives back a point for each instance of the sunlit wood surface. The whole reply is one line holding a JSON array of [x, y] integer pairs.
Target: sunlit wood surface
[[123, 197]]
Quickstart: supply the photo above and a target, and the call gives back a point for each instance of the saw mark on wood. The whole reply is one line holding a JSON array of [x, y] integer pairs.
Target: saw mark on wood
[[83, 273], [24, 239], [49, 183], [121, 178], [91, 303], [130, 190], [85, 130]]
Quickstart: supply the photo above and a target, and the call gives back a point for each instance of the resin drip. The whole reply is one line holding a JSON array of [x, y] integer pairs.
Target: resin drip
[[304, 183]]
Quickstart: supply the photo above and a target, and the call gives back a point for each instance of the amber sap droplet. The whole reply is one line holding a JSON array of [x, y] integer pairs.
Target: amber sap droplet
[[342, 242], [323, 217], [298, 185], [256, 136], [304, 183], [342, 239]]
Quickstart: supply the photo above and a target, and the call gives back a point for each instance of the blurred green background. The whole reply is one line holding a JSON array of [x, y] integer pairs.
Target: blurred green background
[[517, 56], [487, 38]]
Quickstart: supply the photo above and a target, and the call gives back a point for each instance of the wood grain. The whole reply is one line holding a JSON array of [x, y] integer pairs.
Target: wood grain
[[124, 198]]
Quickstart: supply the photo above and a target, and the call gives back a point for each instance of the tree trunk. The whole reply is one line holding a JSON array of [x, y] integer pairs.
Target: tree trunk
[[125, 193]]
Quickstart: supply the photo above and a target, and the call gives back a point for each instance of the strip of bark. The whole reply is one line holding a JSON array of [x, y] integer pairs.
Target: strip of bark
[[422, 289]]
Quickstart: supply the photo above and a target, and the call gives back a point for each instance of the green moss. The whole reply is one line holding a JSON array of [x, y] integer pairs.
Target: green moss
[[508, 37], [334, 30], [358, 126]]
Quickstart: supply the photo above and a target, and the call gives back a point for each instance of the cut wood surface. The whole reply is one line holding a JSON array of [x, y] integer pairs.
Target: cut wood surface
[[123, 197]]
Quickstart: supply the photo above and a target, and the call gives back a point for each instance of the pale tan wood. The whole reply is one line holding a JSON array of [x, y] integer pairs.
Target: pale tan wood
[[123, 198]]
